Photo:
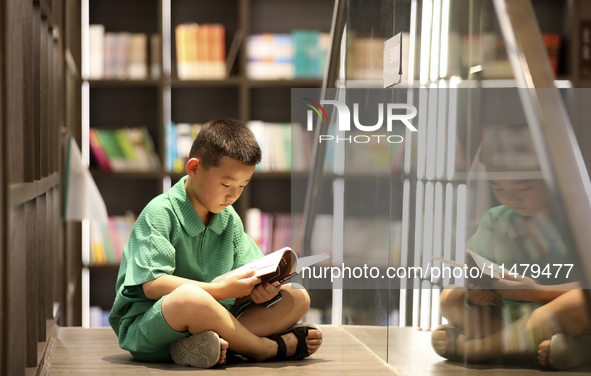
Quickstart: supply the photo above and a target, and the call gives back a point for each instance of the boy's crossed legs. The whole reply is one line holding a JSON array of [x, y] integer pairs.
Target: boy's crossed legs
[[190, 308], [566, 314]]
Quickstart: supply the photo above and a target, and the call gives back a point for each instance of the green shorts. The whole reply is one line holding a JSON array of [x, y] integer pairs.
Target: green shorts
[[148, 335], [512, 310]]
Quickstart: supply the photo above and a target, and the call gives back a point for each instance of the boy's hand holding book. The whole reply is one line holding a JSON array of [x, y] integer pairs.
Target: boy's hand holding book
[[240, 284], [263, 292], [481, 297], [516, 288]]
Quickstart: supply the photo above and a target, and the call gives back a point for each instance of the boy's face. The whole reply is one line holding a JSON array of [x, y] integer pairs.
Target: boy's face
[[526, 197], [217, 187]]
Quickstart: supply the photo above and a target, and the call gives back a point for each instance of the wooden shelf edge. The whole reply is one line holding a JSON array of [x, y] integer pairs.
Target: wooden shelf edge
[[297, 82], [20, 193], [103, 267], [226, 82], [124, 83], [179, 175], [128, 174]]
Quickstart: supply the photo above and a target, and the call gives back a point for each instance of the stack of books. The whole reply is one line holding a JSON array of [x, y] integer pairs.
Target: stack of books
[[271, 231], [200, 52], [122, 55], [285, 146], [107, 240], [179, 139], [123, 150], [301, 54]]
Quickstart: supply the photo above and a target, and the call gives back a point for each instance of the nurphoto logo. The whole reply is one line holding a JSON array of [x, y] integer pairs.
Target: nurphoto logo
[[344, 120]]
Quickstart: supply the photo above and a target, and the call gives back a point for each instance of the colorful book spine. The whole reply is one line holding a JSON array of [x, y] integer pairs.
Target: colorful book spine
[[270, 231], [301, 54], [127, 149], [285, 146], [115, 240], [179, 140], [200, 51], [98, 151], [108, 240], [170, 146]]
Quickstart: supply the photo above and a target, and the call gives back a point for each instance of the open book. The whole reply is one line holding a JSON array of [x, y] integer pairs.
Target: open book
[[277, 267], [486, 267]]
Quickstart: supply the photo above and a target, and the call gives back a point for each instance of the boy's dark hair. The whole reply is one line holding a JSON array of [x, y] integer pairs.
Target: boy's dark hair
[[225, 138], [508, 148]]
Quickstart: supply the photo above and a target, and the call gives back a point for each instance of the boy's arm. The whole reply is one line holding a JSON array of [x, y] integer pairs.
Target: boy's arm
[[527, 290], [233, 287]]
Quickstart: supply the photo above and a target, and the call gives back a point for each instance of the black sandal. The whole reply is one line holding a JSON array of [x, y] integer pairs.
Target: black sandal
[[301, 332]]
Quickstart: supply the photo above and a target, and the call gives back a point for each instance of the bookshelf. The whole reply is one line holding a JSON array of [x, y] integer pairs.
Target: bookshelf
[[156, 100], [39, 102]]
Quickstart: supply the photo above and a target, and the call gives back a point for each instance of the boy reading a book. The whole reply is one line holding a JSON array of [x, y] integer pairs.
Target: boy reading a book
[[182, 240], [493, 317]]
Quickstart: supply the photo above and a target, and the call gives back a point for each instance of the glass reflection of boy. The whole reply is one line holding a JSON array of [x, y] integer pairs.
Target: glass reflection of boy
[[524, 229]]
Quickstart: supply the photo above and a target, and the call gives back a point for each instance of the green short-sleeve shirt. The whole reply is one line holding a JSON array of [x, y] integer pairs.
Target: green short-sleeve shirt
[[169, 238], [505, 237]]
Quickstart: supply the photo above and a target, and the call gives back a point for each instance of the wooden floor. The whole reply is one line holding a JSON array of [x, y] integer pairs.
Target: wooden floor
[[410, 354], [95, 352], [348, 350]]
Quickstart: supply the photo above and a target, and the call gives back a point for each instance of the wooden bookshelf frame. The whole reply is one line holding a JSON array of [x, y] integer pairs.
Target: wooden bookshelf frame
[[40, 267]]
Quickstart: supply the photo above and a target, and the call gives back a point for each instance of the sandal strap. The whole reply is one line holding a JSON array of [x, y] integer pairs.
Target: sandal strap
[[302, 349], [281, 348]]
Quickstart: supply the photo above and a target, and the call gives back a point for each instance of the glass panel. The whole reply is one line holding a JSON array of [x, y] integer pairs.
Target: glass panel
[[480, 173], [366, 174]]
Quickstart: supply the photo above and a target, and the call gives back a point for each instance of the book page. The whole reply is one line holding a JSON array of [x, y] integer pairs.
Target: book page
[[310, 260], [284, 268], [264, 265], [485, 265], [452, 263]]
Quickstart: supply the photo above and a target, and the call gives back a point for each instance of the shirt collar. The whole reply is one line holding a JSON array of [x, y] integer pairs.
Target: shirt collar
[[190, 220]]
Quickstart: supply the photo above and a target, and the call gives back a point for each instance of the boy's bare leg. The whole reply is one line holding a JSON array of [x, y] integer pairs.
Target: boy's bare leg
[[570, 312], [475, 322], [276, 319], [191, 308], [565, 314]]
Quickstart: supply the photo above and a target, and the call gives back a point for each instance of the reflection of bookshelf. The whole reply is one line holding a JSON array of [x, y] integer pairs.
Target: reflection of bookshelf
[[163, 97]]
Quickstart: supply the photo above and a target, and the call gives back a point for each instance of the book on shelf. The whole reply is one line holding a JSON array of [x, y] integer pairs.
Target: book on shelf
[[270, 230], [96, 50], [301, 54], [179, 139], [137, 67], [123, 150], [107, 240], [120, 55], [200, 51], [283, 146]]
